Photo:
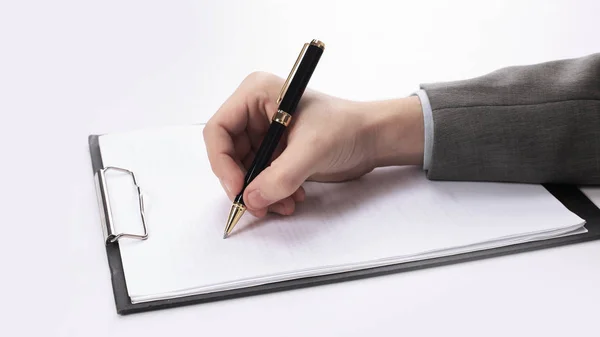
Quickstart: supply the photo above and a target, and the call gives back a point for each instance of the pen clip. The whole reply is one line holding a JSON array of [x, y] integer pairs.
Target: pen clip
[[286, 85]]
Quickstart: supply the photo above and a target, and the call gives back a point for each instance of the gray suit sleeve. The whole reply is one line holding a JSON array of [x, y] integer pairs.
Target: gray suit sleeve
[[531, 124]]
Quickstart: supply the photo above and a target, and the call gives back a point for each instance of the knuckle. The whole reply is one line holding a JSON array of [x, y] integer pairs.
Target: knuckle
[[257, 77], [283, 181], [262, 79]]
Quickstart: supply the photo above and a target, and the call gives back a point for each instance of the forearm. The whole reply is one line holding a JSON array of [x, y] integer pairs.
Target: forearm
[[538, 124]]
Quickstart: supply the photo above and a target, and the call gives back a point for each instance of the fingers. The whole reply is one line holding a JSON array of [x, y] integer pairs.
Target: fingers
[[222, 136], [283, 207], [231, 137], [282, 179], [286, 206], [236, 126], [221, 154], [299, 195]]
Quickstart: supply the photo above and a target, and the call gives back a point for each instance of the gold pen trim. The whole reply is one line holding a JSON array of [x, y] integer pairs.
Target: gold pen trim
[[286, 84], [236, 212], [318, 43], [282, 117]]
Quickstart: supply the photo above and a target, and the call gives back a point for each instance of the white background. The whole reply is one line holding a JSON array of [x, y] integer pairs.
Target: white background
[[72, 68]]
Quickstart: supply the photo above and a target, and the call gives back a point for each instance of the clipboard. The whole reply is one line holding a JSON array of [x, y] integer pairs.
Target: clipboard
[[570, 196]]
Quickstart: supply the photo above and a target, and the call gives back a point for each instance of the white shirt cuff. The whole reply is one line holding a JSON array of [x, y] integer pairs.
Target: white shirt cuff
[[428, 128]]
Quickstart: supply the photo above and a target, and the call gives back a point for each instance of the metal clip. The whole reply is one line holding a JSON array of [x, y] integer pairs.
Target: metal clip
[[286, 85], [110, 235]]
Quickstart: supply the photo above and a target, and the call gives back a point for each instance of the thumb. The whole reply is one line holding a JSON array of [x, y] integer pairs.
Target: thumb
[[281, 179]]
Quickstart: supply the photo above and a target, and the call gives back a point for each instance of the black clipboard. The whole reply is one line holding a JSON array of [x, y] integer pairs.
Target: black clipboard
[[568, 195]]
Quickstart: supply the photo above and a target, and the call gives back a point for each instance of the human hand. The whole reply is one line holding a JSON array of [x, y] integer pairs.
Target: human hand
[[329, 139]]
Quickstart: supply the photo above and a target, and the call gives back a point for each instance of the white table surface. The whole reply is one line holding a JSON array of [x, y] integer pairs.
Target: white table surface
[[72, 68]]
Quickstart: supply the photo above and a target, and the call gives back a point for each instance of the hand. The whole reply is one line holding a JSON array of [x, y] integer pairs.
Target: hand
[[329, 139]]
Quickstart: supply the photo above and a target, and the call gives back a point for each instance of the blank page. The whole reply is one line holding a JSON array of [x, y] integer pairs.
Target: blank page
[[390, 215]]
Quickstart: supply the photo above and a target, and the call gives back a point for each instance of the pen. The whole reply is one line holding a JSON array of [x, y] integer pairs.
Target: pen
[[288, 100]]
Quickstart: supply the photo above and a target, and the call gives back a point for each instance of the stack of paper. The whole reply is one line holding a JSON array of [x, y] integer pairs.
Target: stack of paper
[[389, 216]]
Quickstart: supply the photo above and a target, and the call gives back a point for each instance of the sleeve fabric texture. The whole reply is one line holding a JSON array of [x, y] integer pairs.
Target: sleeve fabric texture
[[529, 124]]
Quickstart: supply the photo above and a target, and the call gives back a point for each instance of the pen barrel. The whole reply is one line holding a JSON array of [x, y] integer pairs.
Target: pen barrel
[[301, 78], [263, 155]]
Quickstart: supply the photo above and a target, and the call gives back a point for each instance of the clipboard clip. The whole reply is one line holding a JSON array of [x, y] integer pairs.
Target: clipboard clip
[[108, 228]]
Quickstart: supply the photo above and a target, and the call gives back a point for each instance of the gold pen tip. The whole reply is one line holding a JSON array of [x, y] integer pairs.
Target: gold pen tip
[[237, 210]]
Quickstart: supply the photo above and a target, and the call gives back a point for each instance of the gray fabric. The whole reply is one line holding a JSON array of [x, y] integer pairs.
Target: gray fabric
[[532, 124]]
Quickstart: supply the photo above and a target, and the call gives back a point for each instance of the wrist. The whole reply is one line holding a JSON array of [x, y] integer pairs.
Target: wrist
[[395, 128]]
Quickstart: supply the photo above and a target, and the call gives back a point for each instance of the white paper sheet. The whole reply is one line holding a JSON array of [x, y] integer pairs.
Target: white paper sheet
[[389, 216]]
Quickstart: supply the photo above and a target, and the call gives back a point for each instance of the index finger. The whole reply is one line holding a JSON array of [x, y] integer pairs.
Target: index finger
[[245, 111], [219, 133]]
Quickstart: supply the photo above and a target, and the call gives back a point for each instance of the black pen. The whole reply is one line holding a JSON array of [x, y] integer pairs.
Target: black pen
[[288, 100]]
